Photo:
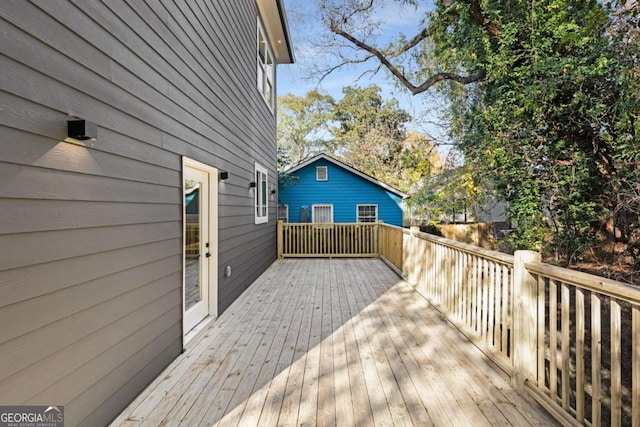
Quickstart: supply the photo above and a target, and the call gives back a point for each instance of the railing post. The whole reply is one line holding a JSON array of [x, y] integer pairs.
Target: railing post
[[525, 321], [378, 234], [413, 257], [280, 240]]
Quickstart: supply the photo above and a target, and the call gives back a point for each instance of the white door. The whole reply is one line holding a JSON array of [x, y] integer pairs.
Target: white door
[[200, 243]]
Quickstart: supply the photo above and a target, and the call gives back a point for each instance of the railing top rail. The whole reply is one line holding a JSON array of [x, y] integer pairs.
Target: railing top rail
[[393, 226], [465, 247], [312, 224], [601, 285]]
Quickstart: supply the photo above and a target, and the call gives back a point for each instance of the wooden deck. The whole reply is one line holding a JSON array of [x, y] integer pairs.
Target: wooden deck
[[331, 342]]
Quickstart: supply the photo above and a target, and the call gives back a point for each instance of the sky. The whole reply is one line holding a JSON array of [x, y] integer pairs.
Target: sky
[[306, 31]]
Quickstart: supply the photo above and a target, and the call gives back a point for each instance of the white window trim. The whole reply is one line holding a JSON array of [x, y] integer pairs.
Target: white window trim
[[363, 205], [320, 205], [261, 201], [286, 208], [326, 173], [265, 76]]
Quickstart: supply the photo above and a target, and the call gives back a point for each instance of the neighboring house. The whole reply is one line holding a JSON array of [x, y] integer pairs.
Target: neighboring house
[[98, 293], [445, 199], [323, 189]]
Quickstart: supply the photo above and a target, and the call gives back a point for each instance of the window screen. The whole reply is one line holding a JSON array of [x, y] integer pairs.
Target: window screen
[[323, 213], [321, 173], [283, 213], [367, 213]]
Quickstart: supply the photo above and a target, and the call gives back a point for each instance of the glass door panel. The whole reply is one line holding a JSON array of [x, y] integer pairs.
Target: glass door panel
[[196, 249]]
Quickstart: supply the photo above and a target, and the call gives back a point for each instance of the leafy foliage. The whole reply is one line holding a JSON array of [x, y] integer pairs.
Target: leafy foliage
[[302, 126], [545, 125], [544, 100], [361, 129], [369, 133], [445, 196]]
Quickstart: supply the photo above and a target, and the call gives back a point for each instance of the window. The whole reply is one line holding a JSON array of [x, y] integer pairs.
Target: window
[[367, 213], [261, 200], [322, 213], [265, 67], [283, 213], [321, 173]]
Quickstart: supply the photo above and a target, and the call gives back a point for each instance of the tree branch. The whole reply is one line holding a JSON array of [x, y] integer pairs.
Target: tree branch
[[411, 43], [397, 73], [358, 10], [324, 73], [438, 77], [479, 18], [475, 10]]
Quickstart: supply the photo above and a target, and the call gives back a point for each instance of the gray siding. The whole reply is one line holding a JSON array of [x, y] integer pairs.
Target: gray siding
[[91, 234]]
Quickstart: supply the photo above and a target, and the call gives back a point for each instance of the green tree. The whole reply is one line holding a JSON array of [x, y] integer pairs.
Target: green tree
[[543, 101], [419, 159], [303, 126], [444, 196], [369, 133], [545, 121], [361, 129]]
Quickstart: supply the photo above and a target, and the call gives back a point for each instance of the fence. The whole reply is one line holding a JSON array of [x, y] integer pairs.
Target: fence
[[478, 234], [328, 240], [569, 340], [470, 285], [391, 238], [588, 346]]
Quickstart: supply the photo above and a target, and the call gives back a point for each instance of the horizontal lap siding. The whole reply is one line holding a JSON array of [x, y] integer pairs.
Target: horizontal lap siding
[[343, 189], [91, 233]]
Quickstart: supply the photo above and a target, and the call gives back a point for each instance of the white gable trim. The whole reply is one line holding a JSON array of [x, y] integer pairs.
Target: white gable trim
[[350, 169]]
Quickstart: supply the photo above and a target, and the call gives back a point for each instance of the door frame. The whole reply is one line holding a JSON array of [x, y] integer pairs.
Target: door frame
[[212, 278]]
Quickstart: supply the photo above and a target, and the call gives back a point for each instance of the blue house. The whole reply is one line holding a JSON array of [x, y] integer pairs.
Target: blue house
[[326, 190]]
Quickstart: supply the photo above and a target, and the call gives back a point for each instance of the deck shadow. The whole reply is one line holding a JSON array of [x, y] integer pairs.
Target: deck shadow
[[327, 342]]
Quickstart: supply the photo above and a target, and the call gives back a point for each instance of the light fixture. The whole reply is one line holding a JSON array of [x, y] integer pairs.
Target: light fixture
[[224, 175], [273, 191], [82, 130], [252, 184]]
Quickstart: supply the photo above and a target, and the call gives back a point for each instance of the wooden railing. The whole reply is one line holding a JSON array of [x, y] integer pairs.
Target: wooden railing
[[471, 286], [391, 241], [328, 240], [588, 347], [192, 240], [569, 340]]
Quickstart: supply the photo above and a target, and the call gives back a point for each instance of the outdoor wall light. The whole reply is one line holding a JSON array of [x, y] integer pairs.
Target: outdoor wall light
[[252, 184], [224, 175], [273, 191], [82, 130]]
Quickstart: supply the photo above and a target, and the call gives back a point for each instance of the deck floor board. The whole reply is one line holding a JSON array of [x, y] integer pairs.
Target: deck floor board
[[331, 342]]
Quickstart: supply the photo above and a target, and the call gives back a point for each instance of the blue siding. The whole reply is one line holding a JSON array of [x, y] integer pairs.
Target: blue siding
[[343, 189]]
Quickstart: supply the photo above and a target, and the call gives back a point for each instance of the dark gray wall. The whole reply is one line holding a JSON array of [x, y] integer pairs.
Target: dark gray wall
[[91, 234]]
